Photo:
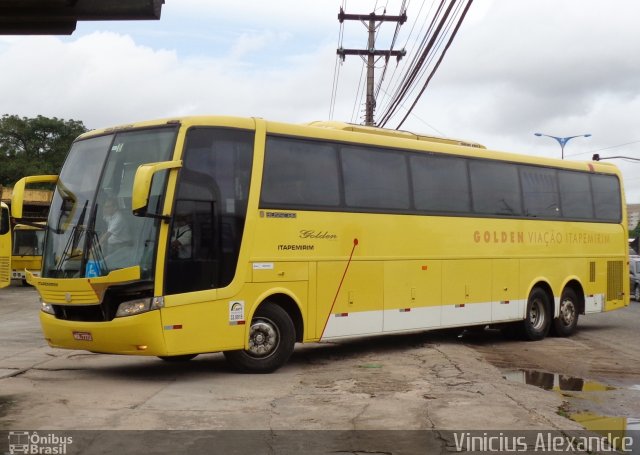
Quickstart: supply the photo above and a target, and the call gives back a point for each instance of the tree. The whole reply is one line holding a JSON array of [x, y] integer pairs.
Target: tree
[[32, 146]]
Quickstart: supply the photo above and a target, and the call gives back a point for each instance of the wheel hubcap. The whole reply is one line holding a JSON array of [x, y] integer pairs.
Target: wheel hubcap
[[567, 312], [263, 338], [536, 315]]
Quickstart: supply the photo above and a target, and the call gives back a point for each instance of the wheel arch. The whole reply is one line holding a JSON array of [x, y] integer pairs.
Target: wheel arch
[[543, 284], [575, 285], [289, 303]]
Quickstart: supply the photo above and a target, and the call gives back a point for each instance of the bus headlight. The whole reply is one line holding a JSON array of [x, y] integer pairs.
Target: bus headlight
[[46, 307], [132, 307]]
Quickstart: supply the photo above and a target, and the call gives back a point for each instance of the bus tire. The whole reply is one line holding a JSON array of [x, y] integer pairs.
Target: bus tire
[[177, 358], [567, 321], [271, 342], [538, 316]]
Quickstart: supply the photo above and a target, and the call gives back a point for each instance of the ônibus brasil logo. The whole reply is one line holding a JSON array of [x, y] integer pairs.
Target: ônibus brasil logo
[[28, 442]]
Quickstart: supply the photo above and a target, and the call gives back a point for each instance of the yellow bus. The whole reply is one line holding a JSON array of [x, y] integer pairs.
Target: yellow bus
[[28, 241], [204, 234], [5, 246]]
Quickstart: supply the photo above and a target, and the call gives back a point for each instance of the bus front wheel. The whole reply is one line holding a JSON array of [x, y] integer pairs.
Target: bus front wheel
[[567, 321], [538, 316], [271, 342]]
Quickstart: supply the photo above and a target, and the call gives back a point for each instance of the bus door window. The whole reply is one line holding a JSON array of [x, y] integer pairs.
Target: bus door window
[[192, 263], [212, 195]]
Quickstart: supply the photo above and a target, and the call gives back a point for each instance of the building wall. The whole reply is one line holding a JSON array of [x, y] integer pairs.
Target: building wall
[[36, 202]]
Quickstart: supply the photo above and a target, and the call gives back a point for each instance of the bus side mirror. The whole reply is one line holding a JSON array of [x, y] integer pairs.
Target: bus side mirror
[[142, 184], [17, 197]]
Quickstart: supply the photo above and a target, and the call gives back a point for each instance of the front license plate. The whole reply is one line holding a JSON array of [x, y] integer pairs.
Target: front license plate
[[82, 336]]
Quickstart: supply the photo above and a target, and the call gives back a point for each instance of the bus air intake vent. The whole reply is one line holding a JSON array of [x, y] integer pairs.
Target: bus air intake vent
[[5, 273], [614, 280], [592, 272]]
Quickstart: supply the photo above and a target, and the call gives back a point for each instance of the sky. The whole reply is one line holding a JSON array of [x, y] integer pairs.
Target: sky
[[561, 68]]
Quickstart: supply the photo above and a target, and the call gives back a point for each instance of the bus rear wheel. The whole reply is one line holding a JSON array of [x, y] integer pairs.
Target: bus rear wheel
[[538, 316], [271, 342], [567, 321]]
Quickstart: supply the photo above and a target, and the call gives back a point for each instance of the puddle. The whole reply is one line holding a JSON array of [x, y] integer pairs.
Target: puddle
[[582, 389], [555, 381]]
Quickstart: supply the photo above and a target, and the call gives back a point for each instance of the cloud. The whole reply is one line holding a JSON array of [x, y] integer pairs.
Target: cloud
[[106, 78], [560, 68]]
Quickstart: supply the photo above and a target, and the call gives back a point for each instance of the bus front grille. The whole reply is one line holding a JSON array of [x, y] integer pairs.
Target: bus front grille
[[86, 313]]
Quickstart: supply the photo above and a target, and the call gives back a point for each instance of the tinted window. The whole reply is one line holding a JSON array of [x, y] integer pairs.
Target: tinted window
[[540, 192], [300, 173], [495, 188], [375, 179], [606, 197], [4, 220], [575, 195], [210, 209], [440, 184]]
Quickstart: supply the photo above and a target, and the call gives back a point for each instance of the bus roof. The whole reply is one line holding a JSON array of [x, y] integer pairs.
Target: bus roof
[[393, 133], [468, 148]]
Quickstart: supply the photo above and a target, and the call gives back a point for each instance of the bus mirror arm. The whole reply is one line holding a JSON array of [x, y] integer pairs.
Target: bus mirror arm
[[142, 187], [17, 196]]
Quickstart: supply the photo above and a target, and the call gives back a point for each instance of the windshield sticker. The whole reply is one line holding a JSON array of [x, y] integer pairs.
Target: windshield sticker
[[236, 312]]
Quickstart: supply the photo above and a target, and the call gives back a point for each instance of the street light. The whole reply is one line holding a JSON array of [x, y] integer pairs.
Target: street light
[[562, 140]]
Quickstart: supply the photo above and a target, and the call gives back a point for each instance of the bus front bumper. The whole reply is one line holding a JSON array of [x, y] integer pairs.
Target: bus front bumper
[[134, 335]]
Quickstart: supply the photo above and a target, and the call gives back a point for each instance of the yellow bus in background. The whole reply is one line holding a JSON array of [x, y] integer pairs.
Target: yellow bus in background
[[28, 241], [191, 235], [5, 246]]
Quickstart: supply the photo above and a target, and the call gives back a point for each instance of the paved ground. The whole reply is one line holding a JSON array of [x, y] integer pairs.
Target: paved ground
[[432, 380]]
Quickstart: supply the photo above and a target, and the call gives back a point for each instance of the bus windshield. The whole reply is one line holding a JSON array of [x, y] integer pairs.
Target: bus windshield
[[27, 241], [92, 230]]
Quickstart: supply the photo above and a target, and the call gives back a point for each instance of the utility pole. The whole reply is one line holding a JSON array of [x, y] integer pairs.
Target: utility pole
[[371, 22]]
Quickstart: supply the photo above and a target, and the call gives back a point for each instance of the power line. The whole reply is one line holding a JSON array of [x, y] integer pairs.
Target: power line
[[606, 148], [403, 9], [451, 38], [336, 75], [372, 22], [359, 93], [429, 50], [418, 60], [420, 119], [406, 61]]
